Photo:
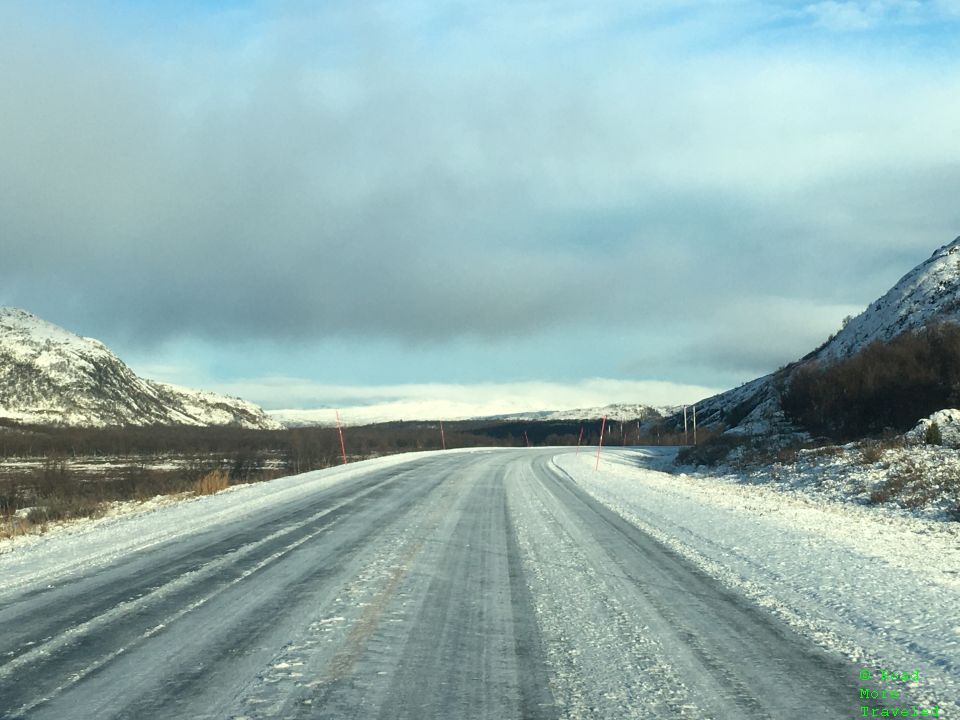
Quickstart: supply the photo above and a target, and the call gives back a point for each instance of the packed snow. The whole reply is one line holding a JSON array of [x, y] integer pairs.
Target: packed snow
[[878, 585]]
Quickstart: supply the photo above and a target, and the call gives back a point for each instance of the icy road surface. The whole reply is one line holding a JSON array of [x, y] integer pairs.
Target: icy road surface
[[484, 584]]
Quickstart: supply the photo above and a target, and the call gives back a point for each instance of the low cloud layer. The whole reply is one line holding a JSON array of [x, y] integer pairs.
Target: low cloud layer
[[424, 172]]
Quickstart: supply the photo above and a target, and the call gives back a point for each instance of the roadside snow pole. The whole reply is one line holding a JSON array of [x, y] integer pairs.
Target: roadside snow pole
[[343, 448], [600, 446], [526, 438], [694, 424], [579, 439], [686, 440], [443, 440]]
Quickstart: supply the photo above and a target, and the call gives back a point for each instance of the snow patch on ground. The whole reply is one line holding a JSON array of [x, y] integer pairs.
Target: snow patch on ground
[[912, 481]]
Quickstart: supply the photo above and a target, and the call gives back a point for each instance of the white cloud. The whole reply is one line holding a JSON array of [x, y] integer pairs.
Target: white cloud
[[862, 15], [847, 16], [366, 403], [425, 172], [757, 334]]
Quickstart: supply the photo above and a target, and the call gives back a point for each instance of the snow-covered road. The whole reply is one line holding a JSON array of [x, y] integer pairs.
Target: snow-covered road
[[476, 584]]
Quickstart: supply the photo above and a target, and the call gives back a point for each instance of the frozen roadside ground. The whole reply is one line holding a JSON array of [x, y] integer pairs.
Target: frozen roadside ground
[[916, 479], [879, 586]]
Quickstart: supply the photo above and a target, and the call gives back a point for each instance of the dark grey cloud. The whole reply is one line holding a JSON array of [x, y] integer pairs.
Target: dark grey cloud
[[359, 173]]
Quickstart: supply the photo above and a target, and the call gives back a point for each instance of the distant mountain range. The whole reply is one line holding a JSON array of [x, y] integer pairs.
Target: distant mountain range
[[928, 294], [619, 412], [51, 376], [325, 417]]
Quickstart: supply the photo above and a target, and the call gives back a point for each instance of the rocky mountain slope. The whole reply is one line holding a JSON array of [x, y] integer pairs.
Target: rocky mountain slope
[[619, 412], [51, 376], [929, 293]]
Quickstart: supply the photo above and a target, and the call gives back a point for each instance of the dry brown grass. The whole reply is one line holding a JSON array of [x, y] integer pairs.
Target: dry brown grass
[[212, 482], [910, 486], [11, 527]]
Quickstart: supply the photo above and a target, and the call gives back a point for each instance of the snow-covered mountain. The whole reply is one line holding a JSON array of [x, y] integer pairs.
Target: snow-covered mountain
[[427, 411], [620, 412], [929, 293], [51, 376]]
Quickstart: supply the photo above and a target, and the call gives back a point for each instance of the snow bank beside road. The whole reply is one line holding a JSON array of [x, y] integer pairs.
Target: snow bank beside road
[[879, 587]]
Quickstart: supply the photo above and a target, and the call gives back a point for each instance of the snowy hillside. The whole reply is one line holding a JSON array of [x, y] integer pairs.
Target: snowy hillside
[[50, 375], [928, 294], [619, 412]]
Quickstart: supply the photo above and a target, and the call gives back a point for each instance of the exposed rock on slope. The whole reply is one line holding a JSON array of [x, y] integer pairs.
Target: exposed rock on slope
[[50, 375]]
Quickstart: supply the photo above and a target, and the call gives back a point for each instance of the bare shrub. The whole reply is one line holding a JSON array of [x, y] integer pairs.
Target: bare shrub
[[56, 508], [871, 452], [888, 490], [827, 451], [787, 455], [713, 451], [212, 482], [907, 484], [9, 499]]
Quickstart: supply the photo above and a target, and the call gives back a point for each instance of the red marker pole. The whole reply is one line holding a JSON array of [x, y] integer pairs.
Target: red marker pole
[[343, 448], [600, 446], [579, 439], [443, 439]]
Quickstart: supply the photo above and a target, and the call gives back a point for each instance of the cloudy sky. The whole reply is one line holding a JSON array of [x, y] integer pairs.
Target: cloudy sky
[[331, 203]]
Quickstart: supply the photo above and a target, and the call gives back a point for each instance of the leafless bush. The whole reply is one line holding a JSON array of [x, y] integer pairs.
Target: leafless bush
[[889, 489], [9, 499], [909, 485], [55, 508], [787, 455], [871, 452], [885, 385], [827, 451]]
